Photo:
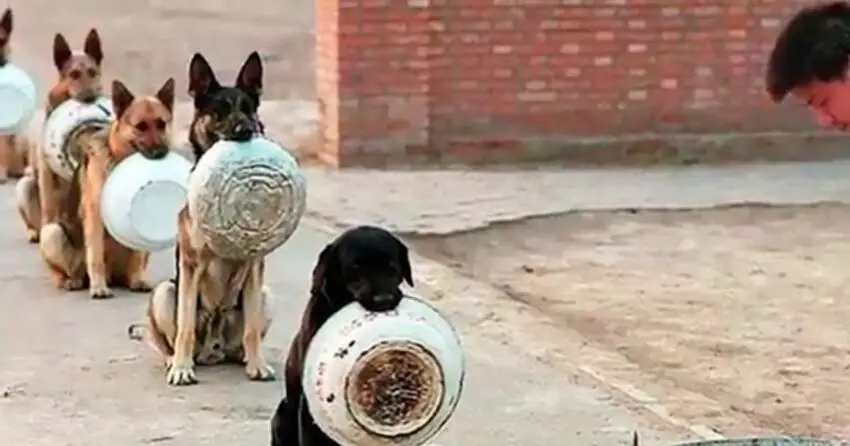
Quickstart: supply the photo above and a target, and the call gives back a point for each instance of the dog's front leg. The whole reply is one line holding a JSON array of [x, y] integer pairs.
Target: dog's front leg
[[136, 266], [46, 189], [256, 321], [7, 151], [181, 370], [94, 234]]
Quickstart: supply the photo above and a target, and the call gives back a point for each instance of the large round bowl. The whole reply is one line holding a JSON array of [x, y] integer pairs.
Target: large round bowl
[[141, 200], [391, 378], [18, 101], [247, 198], [62, 122]]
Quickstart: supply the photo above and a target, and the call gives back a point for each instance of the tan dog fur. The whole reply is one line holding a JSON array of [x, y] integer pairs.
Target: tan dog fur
[[14, 149], [77, 248], [216, 310], [80, 78]]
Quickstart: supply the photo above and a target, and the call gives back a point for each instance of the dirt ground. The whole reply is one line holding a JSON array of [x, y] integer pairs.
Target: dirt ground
[[747, 306]]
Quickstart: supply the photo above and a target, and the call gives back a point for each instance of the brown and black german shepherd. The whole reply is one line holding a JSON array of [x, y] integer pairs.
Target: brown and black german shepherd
[[38, 194], [14, 149], [215, 310], [76, 248]]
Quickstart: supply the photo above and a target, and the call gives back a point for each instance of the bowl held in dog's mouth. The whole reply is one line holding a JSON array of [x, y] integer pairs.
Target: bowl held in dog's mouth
[[247, 198], [389, 378], [141, 200], [67, 118], [18, 99]]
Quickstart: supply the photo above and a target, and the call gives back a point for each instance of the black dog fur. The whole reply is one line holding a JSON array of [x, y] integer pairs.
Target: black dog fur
[[364, 264]]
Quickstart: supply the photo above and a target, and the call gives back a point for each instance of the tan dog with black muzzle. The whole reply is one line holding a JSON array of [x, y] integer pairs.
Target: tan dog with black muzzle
[[14, 149], [215, 310], [77, 249], [38, 195]]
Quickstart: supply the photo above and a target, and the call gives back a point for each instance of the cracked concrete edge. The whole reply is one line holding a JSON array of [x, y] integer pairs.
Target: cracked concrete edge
[[490, 313]]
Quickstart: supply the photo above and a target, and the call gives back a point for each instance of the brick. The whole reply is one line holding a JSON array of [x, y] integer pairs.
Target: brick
[[522, 70]]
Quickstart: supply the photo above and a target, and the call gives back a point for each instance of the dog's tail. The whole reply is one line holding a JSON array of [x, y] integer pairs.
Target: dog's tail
[[136, 331]]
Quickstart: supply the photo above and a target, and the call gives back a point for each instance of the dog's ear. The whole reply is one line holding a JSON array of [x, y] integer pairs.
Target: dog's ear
[[404, 260], [250, 78], [92, 46], [61, 52], [121, 98], [166, 94], [201, 77], [327, 268], [6, 22]]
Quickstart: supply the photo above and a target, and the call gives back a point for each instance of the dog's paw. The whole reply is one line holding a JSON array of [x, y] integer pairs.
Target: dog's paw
[[181, 373], [259, 371], [140, 286], [32, 236], [100, 292], [72, 284]]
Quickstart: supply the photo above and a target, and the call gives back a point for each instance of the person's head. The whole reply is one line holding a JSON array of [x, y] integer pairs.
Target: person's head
[[810, 61]]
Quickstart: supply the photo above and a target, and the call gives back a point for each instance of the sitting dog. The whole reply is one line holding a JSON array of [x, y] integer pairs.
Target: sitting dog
[[215, 310], [14, 149], [76, 248], [366, 265], [37, 195]]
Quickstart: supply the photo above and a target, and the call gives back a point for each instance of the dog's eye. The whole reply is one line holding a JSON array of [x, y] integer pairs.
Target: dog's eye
[[92, 72], [75, 74], [353, 271], [142, 126], [221, 109]]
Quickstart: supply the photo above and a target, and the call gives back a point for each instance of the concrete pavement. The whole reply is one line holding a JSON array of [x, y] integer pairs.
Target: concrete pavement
[[70, 376]]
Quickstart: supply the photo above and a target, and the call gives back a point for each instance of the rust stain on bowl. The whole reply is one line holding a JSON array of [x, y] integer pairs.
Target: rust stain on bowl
[[395, 389]]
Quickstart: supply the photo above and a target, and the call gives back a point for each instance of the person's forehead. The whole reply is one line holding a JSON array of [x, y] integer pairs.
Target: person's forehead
[[811, 91]]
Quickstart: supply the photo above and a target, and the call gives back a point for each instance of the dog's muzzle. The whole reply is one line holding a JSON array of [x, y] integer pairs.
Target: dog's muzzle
[[156, 152], [243, 131], [86, 96]]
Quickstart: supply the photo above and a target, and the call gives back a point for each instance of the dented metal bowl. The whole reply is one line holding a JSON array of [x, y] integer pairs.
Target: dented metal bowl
[[391, 378], [247, 197]]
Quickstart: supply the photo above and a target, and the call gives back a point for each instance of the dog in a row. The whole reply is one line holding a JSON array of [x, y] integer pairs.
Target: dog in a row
[[15, 150], [39, 194]]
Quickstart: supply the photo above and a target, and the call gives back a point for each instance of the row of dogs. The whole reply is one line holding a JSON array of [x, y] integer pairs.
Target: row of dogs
[[214, 310]]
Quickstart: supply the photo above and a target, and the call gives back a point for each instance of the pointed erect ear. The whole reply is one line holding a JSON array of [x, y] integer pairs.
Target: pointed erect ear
[[61, 52], [202, 80], [121, 98], [166, 94], [250, 78], [6, 22], [92, 46]]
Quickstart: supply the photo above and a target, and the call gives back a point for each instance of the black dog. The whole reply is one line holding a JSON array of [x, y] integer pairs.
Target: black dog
[[365, 264]]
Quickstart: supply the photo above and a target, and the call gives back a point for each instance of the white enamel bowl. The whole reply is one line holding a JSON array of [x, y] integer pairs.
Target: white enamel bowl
[[18, 99], [392, 378], [247, 198], [62, 122], [141, 200]]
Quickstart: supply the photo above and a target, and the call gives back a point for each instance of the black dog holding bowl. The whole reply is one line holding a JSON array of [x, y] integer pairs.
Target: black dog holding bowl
[[369, 365]]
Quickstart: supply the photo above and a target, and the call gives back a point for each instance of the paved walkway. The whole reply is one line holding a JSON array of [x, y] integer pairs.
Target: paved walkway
[[69, 375], [439, 202]]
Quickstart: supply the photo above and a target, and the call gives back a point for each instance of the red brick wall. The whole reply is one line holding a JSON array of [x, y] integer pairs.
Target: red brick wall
[[411, 81]]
